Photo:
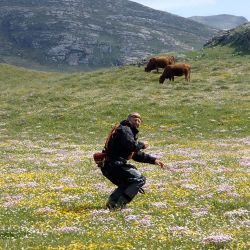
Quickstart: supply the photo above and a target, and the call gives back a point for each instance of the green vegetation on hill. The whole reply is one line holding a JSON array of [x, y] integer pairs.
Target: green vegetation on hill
[[84, 105], [53, 195]]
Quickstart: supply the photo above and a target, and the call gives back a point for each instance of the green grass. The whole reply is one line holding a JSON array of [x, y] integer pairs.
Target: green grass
[[52, 194]]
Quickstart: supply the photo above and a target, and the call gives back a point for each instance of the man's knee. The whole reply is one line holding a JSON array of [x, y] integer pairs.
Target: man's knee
[[141, 181]]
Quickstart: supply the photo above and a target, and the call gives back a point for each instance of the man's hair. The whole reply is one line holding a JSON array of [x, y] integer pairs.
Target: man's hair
[[134, 115]]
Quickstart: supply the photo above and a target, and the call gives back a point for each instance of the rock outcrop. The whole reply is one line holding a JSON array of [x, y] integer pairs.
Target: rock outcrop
[[238, 38]]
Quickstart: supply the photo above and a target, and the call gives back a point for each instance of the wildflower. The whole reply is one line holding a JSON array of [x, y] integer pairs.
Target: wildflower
[[245, 140], [224, 188], [70, 198], [47, 151], [67, 229], [131, 217], [27, 184], [68, 181], [199, 211], [177, 228], [238, 212], [217, 239], [190, 152], [180, 181], [102, 187], [160, 186], [45, 210], [9, 204], [245, 162], [147, 168], [226, 145], [99, 211], [159, 204], [33, 159], [182, 204], [19, 170], [12, 200], [158, 154], [207, 196], [189, 186], [57, 188], [222, 170], [127, 210], [51, 164], [181, 170], [246, 223], [233, 194], [146, 221]]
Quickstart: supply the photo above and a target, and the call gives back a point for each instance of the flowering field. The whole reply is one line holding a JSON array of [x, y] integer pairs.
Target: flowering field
[[52, 194]]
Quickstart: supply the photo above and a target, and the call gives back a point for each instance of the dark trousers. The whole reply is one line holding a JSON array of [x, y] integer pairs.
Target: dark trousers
[[126, 177]]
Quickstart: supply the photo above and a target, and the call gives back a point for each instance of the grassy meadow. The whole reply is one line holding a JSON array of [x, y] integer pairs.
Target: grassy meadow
[[52, 194]]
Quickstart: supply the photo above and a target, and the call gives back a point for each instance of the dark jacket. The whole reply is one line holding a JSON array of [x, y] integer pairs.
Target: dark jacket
[[124, 142]]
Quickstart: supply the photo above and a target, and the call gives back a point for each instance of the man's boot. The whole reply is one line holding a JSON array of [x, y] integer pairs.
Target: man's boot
[[122, 202], [111, 205]]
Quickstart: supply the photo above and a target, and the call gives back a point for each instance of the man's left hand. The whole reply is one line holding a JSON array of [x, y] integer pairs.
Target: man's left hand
[[159, 163]]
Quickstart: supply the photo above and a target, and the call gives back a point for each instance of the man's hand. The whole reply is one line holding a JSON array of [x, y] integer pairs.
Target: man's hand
[[145, 145], [159, 163]]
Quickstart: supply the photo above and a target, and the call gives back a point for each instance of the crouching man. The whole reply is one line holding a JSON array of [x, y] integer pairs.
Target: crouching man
[[121, 146]]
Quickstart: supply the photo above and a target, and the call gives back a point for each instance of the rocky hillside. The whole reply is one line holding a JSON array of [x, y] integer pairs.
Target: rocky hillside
[[238, 38], [222, 22], [92, 33]]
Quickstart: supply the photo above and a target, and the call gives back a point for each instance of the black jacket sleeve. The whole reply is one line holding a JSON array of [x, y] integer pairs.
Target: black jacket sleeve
[[143, 157]]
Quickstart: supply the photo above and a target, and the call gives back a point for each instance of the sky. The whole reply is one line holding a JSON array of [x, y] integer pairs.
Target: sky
[[187, 8]]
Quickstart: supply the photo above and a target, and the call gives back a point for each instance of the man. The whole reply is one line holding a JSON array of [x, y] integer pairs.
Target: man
[[121, 146]]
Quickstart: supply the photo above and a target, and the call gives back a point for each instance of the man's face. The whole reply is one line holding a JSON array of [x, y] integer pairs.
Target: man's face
[[135, 121]]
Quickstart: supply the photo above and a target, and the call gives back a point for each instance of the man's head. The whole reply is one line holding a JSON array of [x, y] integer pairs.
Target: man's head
[[135, 119]]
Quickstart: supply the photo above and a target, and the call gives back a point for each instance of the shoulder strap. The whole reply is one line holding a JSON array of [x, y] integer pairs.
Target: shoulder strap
[[113, 130]]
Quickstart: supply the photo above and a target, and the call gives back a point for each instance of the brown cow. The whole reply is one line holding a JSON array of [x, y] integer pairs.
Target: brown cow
[[159, 62], [175, 70], [172, 59]]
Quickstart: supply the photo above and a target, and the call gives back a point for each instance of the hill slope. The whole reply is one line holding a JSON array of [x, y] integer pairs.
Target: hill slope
[[92, 32], [238, 38], [222, 22], [52, 194], [70, 103]]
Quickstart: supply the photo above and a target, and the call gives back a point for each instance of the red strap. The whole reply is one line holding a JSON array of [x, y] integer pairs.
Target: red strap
[[110, 135]]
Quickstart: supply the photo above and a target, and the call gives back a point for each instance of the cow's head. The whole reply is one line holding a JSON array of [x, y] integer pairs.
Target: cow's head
[[151, 65], [162, 79]]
